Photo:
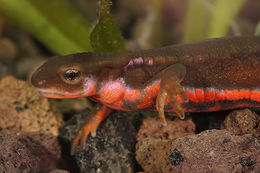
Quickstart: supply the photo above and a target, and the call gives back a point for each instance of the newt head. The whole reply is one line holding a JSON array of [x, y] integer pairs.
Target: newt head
[[64, 77]]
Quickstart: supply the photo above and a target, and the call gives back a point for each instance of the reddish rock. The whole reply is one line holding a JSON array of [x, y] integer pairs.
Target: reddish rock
[[23, 109], [26, 152], [243, 122], [215, 151], [152, 127]]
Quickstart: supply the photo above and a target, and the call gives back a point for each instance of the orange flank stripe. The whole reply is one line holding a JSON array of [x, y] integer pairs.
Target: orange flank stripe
[[199, 95], [235, 95], [227, 94], [232, 95], [220, 96], [191, 96], [255, 96], [113, 94], [209, 96], [244, 94]]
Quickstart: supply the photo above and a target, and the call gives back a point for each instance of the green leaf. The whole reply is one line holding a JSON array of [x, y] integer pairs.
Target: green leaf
[[52, 34], [106, 37], [223, 15], [210, 18], [157, 26], [67, 19], [197, 20]]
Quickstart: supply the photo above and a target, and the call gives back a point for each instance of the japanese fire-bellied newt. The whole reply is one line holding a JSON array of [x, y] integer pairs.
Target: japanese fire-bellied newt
[[210, 75]]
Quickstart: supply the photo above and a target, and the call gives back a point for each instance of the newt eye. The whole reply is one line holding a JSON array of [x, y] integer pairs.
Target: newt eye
[[71, 75]]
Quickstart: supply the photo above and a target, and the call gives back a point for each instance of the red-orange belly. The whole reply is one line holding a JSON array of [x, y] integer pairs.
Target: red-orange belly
[[116, 96]]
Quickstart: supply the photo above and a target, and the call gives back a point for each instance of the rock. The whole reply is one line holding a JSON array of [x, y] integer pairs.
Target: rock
[[153, 127], [26, 152], [243, 122], [111, 150], [23, 109], [215, 151]]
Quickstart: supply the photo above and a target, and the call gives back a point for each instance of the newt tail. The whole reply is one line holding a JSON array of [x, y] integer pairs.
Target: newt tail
[[210, 75]]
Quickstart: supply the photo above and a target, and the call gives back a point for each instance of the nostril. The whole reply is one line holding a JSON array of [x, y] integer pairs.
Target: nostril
[[36, 81]]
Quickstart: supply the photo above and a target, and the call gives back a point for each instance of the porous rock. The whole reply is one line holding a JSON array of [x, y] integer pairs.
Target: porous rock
[[243, 122], [152, 127], [215, 151], [23, 109], [28, 152]]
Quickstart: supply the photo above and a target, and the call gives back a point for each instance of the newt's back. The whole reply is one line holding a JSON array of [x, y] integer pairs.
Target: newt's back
[[226, 63]]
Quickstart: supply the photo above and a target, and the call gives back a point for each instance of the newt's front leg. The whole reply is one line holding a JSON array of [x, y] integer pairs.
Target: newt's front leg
[[169, 89], [90, 126]]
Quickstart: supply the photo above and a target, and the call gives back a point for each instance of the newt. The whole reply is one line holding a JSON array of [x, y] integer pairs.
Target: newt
[[210, 75]]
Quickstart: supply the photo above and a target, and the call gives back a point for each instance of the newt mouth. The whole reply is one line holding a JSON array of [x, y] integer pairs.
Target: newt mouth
[[58, 95]]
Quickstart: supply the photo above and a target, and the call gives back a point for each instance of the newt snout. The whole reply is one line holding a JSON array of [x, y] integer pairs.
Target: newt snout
[[63, 77]]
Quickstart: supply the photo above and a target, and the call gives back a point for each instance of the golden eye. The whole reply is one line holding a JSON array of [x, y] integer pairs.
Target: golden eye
[[71, 75]]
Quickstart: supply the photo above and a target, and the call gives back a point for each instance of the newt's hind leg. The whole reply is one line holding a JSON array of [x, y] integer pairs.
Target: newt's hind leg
[[169, 89], [90, 126]]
